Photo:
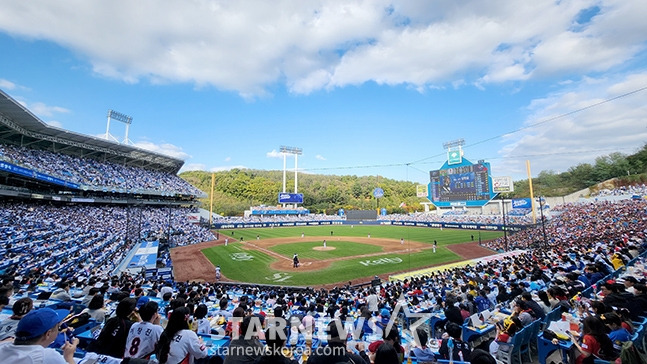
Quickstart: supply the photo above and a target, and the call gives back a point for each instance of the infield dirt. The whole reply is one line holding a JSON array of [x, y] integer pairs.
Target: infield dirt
[[190, 264]]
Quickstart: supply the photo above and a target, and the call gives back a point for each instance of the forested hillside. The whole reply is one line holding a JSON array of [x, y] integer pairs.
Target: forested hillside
[[626, 169], [238, 189]]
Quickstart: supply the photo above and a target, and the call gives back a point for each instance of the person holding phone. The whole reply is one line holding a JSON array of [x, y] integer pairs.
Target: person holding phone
[[34, 333]]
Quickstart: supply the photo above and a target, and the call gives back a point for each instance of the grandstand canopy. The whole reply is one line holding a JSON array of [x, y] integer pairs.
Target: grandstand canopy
[[19, 126]]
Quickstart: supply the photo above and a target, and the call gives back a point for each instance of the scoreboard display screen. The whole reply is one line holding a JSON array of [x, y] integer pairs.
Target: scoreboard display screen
[[461, 183]]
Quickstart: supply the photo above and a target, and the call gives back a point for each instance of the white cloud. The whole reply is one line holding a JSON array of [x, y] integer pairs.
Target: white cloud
[[617, 126], [335, 43], [55, 123], [6, 84], [227, 159], [274, 154], [320, 157], [41, 109], [193, 167], [164, 148]]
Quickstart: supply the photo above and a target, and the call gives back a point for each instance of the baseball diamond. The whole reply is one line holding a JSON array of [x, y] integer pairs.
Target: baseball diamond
[[350, 254]]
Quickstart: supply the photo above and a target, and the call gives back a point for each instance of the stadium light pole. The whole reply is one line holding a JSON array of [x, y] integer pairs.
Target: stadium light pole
[[213, 181], [126, 119], [290, 150]]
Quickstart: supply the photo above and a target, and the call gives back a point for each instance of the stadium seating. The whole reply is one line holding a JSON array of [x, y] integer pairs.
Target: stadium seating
[[94, 174]]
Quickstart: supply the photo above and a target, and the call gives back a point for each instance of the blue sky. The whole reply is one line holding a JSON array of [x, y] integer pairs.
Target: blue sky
[[364, 87]]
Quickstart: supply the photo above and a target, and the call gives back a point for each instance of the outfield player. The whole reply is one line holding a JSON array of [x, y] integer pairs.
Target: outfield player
[[143, 336]]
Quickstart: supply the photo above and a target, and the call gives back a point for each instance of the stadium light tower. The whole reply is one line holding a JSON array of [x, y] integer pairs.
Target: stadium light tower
[[119, 117], [454, 157], [290, 150]]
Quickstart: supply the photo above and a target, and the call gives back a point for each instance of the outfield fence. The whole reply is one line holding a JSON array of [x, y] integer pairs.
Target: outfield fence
[[436, 225]]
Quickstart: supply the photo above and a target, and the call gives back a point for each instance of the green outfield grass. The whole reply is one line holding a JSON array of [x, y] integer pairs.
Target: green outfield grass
[[342, 249], [253, 266], [420, 234]]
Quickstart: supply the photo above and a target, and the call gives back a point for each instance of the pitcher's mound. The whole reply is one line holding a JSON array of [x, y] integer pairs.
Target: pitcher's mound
[[324, 249]]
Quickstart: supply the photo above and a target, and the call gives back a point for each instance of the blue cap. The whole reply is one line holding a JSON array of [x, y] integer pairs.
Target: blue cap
[[142, 301], [385, 313], [37, 322]]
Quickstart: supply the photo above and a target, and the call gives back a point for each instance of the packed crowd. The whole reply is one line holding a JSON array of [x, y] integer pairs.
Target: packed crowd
[[276, 218], [84, 240], [638, 189], [458, 218], [588, 242], [415, 217], [96, 174], [581, 224]]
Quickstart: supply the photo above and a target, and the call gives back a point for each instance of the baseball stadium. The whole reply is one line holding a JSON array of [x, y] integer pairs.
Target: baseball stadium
[[106, 231]]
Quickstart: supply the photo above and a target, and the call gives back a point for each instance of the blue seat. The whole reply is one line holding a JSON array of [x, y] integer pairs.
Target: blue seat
[[535, 328], [509, 351], [639, 338], [524, 347]]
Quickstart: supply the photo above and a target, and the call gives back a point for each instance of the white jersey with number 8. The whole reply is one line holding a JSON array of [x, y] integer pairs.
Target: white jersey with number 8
[[142, 339]]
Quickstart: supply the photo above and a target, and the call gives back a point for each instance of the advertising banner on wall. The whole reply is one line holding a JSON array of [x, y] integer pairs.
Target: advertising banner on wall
[[290, 197]]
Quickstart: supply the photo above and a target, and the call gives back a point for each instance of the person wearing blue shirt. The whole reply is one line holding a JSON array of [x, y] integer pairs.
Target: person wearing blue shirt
[[618, 335], [482, 302], [421, 351]]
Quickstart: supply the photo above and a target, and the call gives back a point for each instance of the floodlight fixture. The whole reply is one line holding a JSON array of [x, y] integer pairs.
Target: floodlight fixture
[[454, 143], [120, 117], [291, 150], [126, 119]]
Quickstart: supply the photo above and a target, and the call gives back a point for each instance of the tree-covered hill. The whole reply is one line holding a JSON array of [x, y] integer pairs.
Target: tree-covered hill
[[623, 169], [238, 189]]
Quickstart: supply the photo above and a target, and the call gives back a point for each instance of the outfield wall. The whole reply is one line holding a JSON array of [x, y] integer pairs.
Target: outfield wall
[[437, 225]]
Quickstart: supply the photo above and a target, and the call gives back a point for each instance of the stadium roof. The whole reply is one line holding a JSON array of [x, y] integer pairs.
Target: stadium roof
[[20, 127]]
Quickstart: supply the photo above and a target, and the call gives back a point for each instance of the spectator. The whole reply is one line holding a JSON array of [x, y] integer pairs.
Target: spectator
[[143, 336], [20, 308], [420, 350], [273, 355], [178, 342], [504, 333], [453, 348], [336, 351], [595, 342], [392, 337], [34, 333], [62, 293], [618, 334], [112, 339], [386, 354], [96, 310]]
